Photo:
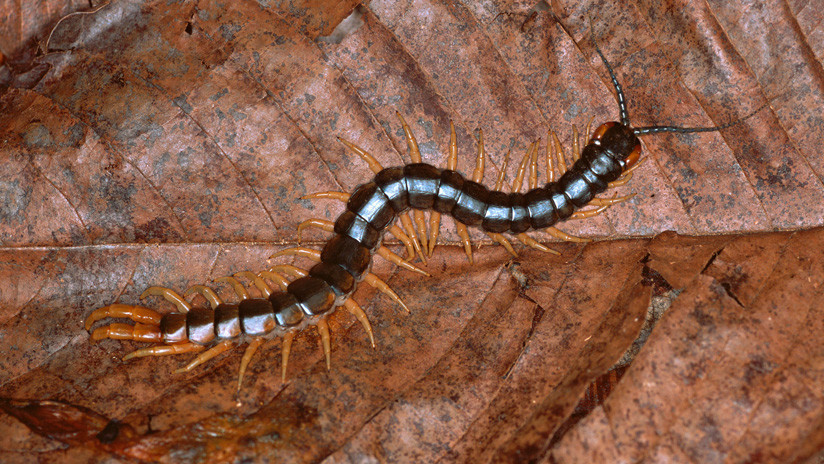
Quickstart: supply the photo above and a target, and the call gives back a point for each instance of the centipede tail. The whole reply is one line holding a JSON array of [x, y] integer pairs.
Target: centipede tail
[[608, 160]]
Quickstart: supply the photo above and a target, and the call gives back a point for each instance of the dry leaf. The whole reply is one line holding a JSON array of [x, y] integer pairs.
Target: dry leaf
[[169, 144]]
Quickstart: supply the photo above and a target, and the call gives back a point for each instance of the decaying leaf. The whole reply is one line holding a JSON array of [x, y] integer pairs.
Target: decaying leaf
[[169, 143]]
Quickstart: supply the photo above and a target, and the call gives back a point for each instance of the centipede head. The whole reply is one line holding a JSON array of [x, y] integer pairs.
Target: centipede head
[[624, 138], [619, 141]]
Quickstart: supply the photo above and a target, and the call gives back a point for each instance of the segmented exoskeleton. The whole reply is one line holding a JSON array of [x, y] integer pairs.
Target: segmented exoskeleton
[[608, 160]]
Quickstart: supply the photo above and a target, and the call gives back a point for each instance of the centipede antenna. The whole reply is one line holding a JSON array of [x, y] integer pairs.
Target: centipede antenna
[[622, 100], [688, 130]]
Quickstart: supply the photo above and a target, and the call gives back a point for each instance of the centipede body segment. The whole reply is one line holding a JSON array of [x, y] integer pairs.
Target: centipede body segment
[[287, 307]]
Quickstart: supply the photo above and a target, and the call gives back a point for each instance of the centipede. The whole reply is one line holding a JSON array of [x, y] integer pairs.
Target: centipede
[[293, 299]]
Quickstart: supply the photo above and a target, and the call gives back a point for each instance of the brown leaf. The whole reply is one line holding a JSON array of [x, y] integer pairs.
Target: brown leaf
[[70, 424], [718, 381], [169, 144]]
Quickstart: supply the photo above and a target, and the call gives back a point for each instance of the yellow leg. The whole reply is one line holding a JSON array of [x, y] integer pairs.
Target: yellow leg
[[207, 293], [323, 331], [529, 241], [576, 145], [135, 313], [331, 195], [627, 175], [374, 165], [286, 349], [610, 201], [434, 230], [247, 358], [322, 224], [164, 350], [463, 232], [478, 173], [583, 214], [398, 233], [138, 332], [388, 255], [221, 347], [279, 280], [239, 289], [410, 230], [304, 252], [550, 157], [559, 154], [356, 311], [499, 182], [420, 223], [288, 269], [503, 241], [257, 281], [376, 282], [170, 295], [557, 233]]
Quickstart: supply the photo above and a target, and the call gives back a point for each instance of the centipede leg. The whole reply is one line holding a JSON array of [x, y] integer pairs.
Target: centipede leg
[[499, 183], [529, 241], [374, 165], [304, 252], [239, 289], [420, 223], [288, 269], [463, 233], [135, 313], [589, 213], [323, 331], [627, 175], [322, 224], [164, 350], [330, 195], [529, 161], [480, 159], [221, 347], [576, 146], [406, 221], [550, 157], [281, 281], [247, 358], [559, 154], [208, 294], [257, 281], [610, 201], [376, 282], [434, 231], [138, 332], [621, 181], [170, 295], [398, 233], [388, 255], [503, 242], [557, 233], [357, 311], [286, 349]]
